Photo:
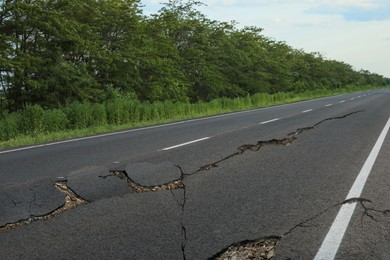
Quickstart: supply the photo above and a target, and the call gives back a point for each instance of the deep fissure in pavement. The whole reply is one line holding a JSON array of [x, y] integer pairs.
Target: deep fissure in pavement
[[173, 185], [72, 200], [254, 249], [367, 210], [138, 188], [262, 248], [291, 137], [254, 246], [183, 227], [359, 200]]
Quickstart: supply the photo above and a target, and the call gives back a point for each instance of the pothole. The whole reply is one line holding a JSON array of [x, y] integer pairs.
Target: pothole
[[178, 184], [71, 200], [138, 188], [260, 249]]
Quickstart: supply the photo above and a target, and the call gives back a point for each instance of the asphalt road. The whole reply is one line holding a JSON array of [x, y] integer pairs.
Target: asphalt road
[[190, 189]]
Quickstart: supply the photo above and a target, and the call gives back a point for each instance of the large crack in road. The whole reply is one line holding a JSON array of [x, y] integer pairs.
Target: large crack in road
[[264, 248], [291, 137], [261, 248], [367, 210], [72, 200]]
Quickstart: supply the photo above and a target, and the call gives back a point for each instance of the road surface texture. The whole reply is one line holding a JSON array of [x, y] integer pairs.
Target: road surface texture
[[308, 180]]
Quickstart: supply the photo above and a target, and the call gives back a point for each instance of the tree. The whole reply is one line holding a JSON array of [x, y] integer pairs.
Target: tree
[[55, 52]]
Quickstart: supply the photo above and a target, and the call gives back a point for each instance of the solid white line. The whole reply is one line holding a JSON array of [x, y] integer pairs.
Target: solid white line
[[306, 111], [183, 144], [336, 233], [329, 105], [269, 121]]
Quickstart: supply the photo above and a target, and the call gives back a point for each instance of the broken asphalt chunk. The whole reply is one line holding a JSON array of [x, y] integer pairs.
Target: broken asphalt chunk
[[150, 174], [96, 183], [24, 201]]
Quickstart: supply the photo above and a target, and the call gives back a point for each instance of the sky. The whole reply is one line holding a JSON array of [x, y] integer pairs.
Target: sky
[[353, 31]]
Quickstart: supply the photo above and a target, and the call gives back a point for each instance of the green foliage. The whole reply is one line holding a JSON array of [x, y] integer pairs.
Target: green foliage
[[68, 82], [118, 112], [9, 126], [80, 115], [77, 52], [99, 116], [54, 120], [32, 120]]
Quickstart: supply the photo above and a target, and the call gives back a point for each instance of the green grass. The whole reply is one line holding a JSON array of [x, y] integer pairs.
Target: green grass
[[35, 125]]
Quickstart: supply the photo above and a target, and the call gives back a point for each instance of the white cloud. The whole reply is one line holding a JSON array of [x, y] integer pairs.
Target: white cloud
[[352, 10], [229, 2], [364, 4]]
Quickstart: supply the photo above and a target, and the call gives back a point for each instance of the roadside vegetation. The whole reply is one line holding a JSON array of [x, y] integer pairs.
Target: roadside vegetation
[[72, 68], [37, 125]]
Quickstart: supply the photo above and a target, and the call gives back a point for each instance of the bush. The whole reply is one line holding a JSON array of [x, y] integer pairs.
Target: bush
[[9, 126], [261, 99], [135, 111], [146, 112], [54, 120], [98, 115], [118, 112], [80, 115], [32, 120]]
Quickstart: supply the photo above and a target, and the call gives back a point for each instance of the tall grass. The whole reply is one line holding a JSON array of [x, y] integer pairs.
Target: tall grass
[[34, 124]]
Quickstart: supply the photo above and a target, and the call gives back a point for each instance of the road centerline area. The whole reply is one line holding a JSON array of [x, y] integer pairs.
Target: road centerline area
[[329, 105], [333, 239], [269, 121], [307, 111], [183, 144]]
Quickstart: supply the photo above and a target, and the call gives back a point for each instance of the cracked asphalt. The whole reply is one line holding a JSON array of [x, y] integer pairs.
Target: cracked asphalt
[[259, 184]]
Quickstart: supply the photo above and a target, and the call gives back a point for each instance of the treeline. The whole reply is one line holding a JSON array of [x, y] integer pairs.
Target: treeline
[[57, 52]]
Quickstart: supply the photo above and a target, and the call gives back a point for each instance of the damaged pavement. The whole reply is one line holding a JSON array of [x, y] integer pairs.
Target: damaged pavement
[[261, 200]]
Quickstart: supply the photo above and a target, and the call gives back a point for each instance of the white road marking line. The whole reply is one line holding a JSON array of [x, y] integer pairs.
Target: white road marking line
[[329, 105], [342, 101], [352, 98], [359, 96], [269, 121], [333, 239], [183, 144], [306, 111]]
